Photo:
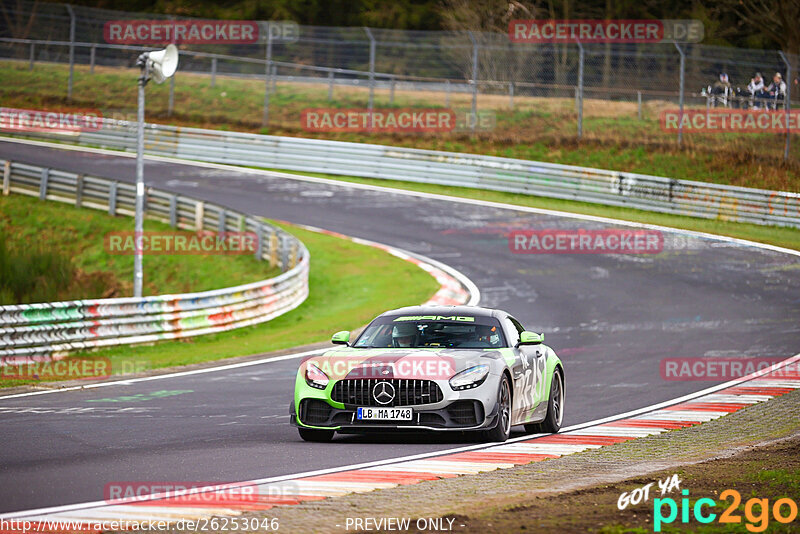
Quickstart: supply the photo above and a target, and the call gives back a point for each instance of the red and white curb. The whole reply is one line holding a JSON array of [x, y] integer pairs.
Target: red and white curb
[[690, 410]]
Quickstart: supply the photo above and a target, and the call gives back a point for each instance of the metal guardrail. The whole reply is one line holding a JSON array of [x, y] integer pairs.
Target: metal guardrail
[[611, 188], [30, 332]]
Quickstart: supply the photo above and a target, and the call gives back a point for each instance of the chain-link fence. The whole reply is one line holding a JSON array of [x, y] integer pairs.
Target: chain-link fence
[[468, 70]]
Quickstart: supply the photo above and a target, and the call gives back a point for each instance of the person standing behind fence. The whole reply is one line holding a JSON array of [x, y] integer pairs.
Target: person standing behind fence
[[776, 90], [722, 88], [755, 89]]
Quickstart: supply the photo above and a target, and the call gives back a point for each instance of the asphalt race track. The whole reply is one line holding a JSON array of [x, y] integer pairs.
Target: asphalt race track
[[611, 319]]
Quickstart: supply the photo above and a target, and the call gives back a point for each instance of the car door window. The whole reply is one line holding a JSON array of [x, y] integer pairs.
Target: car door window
[[514, 329]]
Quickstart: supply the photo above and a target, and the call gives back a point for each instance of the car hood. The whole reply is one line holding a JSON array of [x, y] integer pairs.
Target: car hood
[[389, 363]]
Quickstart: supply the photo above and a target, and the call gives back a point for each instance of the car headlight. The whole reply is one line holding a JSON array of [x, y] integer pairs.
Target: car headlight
[[470, 378], [315, 377]]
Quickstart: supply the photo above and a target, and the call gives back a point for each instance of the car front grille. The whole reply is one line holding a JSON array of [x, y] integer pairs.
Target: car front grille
[[359, 392]]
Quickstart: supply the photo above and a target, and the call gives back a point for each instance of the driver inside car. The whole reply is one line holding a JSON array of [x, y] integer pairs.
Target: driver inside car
[[403, 335]]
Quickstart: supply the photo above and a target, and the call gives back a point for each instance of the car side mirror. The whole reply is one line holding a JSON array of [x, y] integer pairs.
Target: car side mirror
[[530, 338], [341, 338]]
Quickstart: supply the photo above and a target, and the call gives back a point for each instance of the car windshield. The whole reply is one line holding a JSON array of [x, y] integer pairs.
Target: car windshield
[[452, 332]]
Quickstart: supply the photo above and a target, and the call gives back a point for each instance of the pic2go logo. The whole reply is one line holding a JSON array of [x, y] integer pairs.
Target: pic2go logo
[[756, 511]]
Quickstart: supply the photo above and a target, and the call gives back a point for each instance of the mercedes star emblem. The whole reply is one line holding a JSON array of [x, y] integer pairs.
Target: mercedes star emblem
[[383, 392]]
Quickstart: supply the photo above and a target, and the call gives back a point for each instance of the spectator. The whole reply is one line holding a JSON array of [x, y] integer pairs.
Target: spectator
[[777, 90], [722, 88], [755, 89]]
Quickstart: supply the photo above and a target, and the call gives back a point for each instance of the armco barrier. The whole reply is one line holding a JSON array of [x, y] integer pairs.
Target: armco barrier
[[31, 332], [611, 188]]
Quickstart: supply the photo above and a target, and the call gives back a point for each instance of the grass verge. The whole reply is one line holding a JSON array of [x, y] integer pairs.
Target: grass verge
[[350, 284], [537, 128], [78, 233]]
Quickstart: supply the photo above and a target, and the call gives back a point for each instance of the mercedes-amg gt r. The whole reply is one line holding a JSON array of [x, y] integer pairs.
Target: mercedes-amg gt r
[[437, 368]]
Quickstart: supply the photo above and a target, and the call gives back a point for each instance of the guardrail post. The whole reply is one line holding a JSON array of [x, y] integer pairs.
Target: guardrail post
[[330, 85], [268, 70], [7, 178], [92, 52], [199, 212], [222, 220], [79, 191], [112, 198], [788, 104], [43, 184], [171, 103], [259, 241], [71, 50], [680, 97], [474, 118], [33, 56], [213, 72], [173, 211], [273, 248], [580, 89]]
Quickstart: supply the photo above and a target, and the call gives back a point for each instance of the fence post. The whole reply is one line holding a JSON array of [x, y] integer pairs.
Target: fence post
[[92, 52], [71, 50], [788, 101], [391, 91], [447, 93], [581, 57], [259, 241], [7, 178], [371, 74], [33, 56], [274, 77], [511, 95], [680, 97], [639, 101], [330, 85], [213, 72], [43, 184], [268, 70], [474, 118], [171, 104]]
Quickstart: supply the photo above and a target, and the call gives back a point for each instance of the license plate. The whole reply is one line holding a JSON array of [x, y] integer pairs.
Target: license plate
[[384, 414]]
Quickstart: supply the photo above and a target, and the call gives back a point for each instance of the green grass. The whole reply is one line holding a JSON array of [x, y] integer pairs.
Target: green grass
[[79, 234], [349, 285], [542, 129], [773, 235]]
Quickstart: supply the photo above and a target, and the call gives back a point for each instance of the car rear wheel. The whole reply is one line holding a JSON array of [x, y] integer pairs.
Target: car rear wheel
[[555, 409], [311, 434], [502, 429]]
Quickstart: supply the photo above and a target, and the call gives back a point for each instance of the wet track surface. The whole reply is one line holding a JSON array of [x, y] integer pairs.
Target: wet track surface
[[611, 319]]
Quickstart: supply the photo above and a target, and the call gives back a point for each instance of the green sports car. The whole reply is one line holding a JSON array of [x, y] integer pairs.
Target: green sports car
[[437, 368]]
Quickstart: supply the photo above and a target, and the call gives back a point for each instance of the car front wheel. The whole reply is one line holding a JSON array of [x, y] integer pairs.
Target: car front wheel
[[502, 429]]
